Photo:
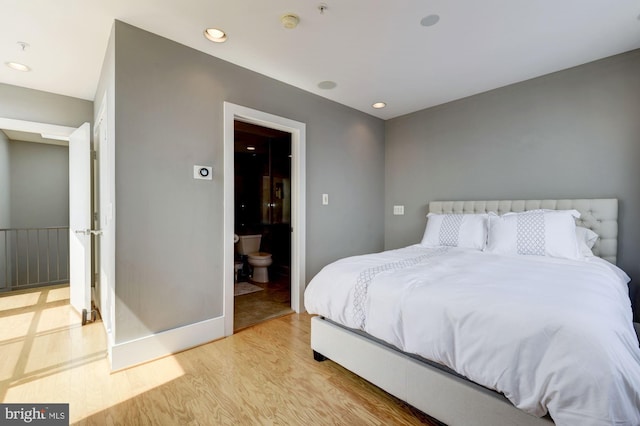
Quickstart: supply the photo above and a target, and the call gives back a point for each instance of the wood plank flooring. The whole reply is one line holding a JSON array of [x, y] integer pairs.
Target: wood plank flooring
[[262, 375], [272, 302]]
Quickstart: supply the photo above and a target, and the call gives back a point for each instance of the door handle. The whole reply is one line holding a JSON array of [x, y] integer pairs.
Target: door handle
[[89, 231]]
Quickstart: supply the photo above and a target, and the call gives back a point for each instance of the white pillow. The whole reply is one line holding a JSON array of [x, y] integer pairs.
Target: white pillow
[[535, 232], [586, 240], [455, 230]]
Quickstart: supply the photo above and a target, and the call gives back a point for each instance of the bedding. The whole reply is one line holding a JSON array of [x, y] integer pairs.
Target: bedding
[[535, 232], [553, 335], [455, 230], [586, 240]]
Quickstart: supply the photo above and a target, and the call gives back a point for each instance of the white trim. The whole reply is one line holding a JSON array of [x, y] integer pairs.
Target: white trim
[[61, 132], [133, 352], [107, 239], [298, 197]]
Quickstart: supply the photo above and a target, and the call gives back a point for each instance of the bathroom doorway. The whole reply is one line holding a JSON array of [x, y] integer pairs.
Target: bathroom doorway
[[262, 221]]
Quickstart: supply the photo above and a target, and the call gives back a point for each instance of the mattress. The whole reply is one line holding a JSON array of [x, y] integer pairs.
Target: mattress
[[553, 335]]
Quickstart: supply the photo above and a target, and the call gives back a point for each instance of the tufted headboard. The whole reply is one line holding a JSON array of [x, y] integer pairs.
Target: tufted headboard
[[599, 215]]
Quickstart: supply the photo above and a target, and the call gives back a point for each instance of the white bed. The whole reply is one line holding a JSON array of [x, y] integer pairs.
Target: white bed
[[552, 334]]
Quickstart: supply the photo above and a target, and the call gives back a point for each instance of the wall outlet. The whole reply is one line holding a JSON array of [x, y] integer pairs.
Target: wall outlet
[[398, 210]]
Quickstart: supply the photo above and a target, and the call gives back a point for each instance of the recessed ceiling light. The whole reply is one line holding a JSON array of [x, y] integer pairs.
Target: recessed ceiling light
[[290, 21], [251, 148], [327, 85], [430, 20], [216, 35], [379, 105], [18, 66]]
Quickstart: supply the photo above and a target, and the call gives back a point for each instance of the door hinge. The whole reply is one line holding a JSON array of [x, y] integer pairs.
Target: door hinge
[[94, 155]]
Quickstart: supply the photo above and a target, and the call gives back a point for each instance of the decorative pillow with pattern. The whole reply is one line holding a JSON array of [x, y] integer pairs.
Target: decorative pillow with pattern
[[535, 232], [455, 230]]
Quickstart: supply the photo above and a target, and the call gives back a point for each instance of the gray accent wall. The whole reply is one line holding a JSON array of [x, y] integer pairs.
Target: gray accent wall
[[20, 103], [571, 134], [5, 221], [39, 185], [169, 227], [42, 107]]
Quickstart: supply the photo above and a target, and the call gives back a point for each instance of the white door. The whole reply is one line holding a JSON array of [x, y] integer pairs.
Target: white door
[[80, 219]]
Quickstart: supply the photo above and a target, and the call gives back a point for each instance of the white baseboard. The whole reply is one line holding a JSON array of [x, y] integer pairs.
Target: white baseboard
[[138, 351]]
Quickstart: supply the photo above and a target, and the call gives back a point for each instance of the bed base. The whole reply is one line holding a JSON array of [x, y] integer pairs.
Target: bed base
[[448, 398]]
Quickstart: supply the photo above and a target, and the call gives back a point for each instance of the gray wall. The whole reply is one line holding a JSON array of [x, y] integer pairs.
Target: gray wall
[[571, 134], [168, 117], [39, 185], [5, 221], [33, 105]]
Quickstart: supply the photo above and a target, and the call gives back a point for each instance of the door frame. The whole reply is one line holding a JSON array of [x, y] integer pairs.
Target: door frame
[[104, 174], [62, 132], [297, 130]]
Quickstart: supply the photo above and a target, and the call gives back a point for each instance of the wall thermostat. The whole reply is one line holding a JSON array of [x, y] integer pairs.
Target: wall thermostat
[[203, 172]]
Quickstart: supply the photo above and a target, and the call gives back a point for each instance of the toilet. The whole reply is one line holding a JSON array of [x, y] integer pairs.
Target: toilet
[[249, 245]]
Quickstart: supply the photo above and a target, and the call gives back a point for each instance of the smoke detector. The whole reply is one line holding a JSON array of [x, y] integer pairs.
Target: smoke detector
[[289, 21]]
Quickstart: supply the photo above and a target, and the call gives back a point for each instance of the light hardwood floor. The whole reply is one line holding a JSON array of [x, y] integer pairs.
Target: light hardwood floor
[[272, 302], [262, 375]]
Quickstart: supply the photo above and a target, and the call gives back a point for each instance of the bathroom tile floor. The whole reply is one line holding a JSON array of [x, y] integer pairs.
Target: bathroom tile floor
[[254, 308]]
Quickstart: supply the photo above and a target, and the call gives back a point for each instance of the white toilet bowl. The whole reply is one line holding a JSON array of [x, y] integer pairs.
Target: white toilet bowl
[[260, 261]]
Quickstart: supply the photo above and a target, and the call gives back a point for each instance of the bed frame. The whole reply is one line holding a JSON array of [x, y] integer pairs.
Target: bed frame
[[440, 394]]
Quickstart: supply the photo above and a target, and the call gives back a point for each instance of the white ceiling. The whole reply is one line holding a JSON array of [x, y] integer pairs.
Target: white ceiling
[[374, 50]]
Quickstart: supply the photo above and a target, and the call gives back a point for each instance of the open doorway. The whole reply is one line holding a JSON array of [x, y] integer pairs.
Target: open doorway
[[297, 131], [44, 262], [262, 221], [34, 205]]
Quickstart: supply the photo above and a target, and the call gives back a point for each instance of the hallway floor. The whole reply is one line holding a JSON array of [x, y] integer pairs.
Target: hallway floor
[[272, 302], [262, 375]]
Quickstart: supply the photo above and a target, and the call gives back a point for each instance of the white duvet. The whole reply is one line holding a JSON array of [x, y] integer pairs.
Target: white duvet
[[552, 335]]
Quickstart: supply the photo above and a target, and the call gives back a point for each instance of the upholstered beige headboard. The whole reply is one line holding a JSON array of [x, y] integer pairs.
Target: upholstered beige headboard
[[599, 215]]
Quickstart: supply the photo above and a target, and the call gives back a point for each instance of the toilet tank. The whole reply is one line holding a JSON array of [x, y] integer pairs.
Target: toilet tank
[[249, 244]]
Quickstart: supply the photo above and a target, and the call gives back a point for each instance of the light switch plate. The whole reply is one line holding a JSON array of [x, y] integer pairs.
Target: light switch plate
[[325, 199], [398, 210]]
